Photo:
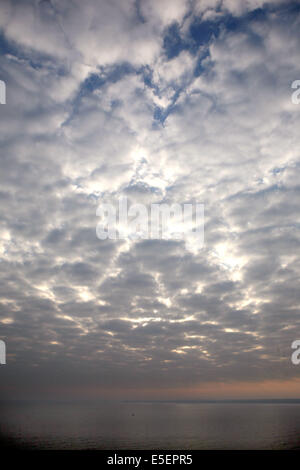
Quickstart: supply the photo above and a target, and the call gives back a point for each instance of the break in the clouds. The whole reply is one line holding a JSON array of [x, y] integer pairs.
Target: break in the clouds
[[161, 101]]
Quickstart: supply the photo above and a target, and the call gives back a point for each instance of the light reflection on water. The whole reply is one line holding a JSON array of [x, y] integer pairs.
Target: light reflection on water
[[152, 425]]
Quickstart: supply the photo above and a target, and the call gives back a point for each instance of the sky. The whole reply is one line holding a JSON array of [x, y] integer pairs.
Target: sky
[[161, 101]]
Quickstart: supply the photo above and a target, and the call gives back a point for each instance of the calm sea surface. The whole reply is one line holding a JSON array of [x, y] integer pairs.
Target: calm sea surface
[[151, 425]]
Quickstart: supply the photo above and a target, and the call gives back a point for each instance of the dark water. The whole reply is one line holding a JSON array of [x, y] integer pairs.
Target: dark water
[[152, 425]]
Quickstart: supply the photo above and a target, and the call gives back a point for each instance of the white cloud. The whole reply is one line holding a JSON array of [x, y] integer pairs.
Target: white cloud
[[164, 12], [229, 139]]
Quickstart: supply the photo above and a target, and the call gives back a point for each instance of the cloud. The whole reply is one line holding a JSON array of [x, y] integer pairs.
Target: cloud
[[100, 104]]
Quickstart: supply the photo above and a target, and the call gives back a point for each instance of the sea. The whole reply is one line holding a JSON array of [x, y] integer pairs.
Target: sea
[[151, 425]]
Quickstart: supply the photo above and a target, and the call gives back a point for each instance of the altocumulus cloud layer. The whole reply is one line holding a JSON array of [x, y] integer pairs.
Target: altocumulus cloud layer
[[162, 101]]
